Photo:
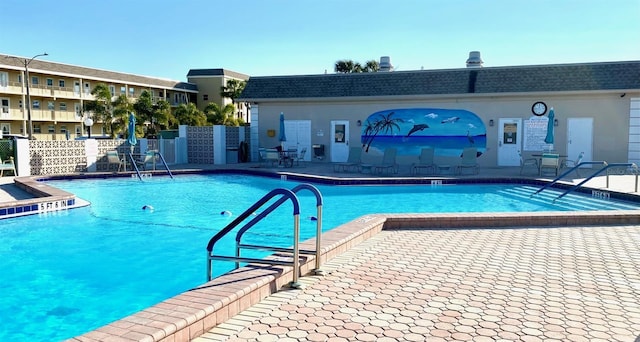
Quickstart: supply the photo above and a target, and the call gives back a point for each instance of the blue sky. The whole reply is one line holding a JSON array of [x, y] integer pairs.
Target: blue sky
[[291, 37]]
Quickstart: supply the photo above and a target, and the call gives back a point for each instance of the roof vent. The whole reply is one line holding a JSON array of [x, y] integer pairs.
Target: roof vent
[[474, 60], [385, 63]]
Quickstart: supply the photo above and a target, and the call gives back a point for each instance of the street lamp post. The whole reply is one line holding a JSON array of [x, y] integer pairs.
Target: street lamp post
[[26, 69], [88, 122]]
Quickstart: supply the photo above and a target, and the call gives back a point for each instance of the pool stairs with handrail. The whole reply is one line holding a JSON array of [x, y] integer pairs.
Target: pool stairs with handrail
[[284, 196]]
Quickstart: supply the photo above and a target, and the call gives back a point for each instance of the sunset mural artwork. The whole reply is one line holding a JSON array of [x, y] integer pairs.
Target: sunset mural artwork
[[408, 130]]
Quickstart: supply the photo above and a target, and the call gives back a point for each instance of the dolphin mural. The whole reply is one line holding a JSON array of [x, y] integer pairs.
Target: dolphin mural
[[416, 128], [451, 119], [411, 129]]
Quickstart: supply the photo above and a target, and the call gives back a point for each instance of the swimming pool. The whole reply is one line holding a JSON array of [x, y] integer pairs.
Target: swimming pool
[[71, 271]]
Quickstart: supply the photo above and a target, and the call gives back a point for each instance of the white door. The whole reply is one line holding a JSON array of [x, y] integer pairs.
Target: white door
[[339, 141], [580, 139], [509, 142], [298, 134]]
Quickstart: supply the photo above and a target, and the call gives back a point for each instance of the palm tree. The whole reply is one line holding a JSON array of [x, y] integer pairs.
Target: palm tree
[[111, 113], [349, 66], [384, 123], [153, 114], [188, 114], [121, 109], [233, 90], [218, 115]]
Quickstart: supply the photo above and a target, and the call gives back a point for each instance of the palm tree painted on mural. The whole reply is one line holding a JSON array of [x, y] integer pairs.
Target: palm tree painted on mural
[[382, 124]]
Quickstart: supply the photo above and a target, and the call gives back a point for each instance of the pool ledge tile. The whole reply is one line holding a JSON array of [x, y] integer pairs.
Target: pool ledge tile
[[199, 310]]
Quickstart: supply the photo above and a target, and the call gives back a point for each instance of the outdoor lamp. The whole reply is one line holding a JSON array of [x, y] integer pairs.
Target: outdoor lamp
[[88, 122], [491, 122], [555, 122], [359, 123]]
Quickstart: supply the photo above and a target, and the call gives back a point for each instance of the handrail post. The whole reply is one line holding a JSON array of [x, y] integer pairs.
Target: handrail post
[[135, 166], [296, 253], [318, 271], [209, 265]]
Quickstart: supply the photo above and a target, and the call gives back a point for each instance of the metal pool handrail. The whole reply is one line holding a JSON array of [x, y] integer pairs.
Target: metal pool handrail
[[288, 195], [558, 178], [607, 167], [272, 207], [155, 153]]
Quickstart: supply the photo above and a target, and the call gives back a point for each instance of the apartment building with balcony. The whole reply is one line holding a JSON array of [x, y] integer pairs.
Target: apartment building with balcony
[[58, 92], [210, 83]]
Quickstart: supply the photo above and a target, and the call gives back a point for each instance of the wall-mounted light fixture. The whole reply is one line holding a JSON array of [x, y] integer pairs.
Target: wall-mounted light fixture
[[359, 123], [555, 122], [491, 122], [623, 94]]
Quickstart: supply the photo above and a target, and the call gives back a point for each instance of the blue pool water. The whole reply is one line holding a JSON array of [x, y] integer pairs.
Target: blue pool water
[[68, 272]]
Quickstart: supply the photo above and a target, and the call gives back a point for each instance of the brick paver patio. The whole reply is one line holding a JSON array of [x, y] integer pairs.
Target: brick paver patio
[[532, 284]]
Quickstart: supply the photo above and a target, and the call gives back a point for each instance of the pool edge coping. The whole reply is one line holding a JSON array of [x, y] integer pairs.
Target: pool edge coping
[[194, 312]]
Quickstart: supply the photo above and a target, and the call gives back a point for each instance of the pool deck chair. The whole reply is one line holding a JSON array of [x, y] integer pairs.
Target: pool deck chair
[[148, 157], [425, 161], [300, 156], [388, 162], [271, 157], [7, 165], [573, 163], [114, 159], [549, 161], [469, 160], [527, 162], [353, 161]]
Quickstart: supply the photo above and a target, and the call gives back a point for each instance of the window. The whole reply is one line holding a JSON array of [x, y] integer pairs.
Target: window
[[78, 110], [4, 108], [49, 82], [51, 129], [51, 105], [63, 129], [205, 97], [34, 80], [123, 90], [112, 90], [63, 106], [61, 83], [87, 88], [36, 104], [37, 128], [5, 128], [4, 79], [131, 91], [19, 78]]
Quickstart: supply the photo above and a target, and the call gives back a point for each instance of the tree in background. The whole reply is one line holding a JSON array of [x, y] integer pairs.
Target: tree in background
[[348, 66], [188, 114], [111, 113], [232, 90], [217, 115], [153, 115]]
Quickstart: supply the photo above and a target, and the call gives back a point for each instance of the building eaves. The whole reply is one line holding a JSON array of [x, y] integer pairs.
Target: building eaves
[[518, 79], [96, 74], [216, 72]]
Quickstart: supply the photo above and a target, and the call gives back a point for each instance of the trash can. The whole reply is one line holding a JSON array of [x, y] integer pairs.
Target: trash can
[[232, 155], [318, 151]]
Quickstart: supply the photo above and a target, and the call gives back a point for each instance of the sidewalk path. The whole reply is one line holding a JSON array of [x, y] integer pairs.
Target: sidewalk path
[[545, 284]]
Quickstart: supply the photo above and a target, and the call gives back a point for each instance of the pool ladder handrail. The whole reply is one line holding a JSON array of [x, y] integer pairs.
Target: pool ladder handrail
[[606, 166], [155, 153], [295, 263]]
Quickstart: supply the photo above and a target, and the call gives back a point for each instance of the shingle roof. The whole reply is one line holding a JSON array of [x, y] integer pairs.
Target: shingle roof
[[216, 72], [89, 73], [518, 79]]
